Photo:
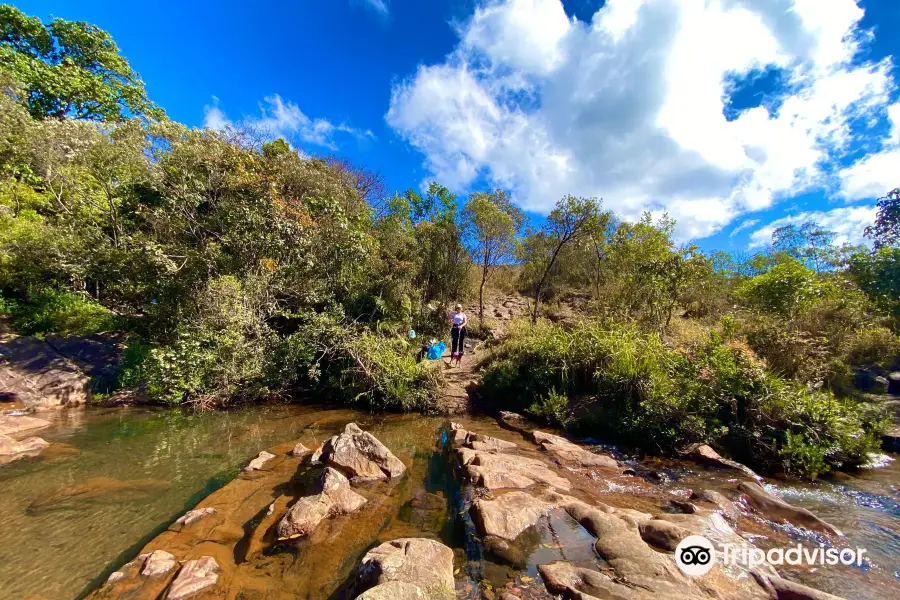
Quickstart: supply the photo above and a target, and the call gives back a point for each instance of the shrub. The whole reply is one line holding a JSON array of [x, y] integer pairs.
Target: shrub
[[784, 289], [873, 346], [63, 313], [648, 395]]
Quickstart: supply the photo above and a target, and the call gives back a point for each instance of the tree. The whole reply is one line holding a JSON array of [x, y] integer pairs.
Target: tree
[[572, 219], [878, 276], [70, 68], [886, 231], [809, 243], [492, 222]]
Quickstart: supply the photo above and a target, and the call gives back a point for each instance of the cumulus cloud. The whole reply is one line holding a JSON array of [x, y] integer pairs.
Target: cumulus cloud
[[876, 174], [278, 118], [847, 222], [630, 106]]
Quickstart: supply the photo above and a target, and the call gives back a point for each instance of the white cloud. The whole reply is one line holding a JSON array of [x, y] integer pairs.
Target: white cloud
[[381, 7], [847, 222], [629, 107], [747, 224], [876, 174], [278, 118]]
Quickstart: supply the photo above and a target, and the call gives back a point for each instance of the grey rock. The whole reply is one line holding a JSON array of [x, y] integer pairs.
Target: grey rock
[[360, 455], [195, 576], [37, 375], [13, 450], [158, 564], [335, 499], [427, 564], [260, 461]]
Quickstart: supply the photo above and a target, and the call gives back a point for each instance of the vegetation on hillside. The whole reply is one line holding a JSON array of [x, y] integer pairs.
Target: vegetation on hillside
[[242, 269]]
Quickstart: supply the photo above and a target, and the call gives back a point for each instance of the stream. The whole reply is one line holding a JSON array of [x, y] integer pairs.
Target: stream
[[114, 478]]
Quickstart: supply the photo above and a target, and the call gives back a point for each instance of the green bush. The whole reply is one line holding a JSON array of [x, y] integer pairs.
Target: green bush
[[47, 311], [647, 395], [784, 289], [873, 347]]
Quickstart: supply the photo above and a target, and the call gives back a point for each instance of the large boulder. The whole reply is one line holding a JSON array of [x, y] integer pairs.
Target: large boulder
[[496, 471], [195, 576], [425, 563], [35, 374], [12, 450], [566, 451], [508, 515], [777, 510], [97, 355], [704, 455], [360, 456], [335, 499]]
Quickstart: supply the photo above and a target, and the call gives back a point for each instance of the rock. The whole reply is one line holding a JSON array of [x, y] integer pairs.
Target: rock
[[508, 515], [360, 455], [516, 422], [890, 441], [894, 383], [259, 462], [10, 425], [565, 450], [97, 355], [394, 590], [719, 501], [703, 454], [100, 490], [789, 590], [486, 443], [662, 534], [684, 506], [191, 517], [495, 471], [300, 450], [578, 583], [425, 563], [195, 576], [38, 376], [508, 596], [158, 564], [12, 450], [776, 509], [335, 499]]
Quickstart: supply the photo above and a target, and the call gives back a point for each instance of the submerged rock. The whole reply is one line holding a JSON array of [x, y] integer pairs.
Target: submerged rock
[[360, 455], [195, 576], [12, 425], [98, 490], [566, 451], [335, 499], [259, 462], [425, 563], [776, 509], [12, 450], [704, 455]]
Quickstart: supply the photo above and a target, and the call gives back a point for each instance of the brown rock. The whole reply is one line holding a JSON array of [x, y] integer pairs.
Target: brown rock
[[508, 515], [360, 455], [195, 576], [10, 425], [503, 470], [260, 461], [566, 451], [578, 583], [335, 499], [425, 563], [487, 443], [394, 590], [704, 455], [782, 589], [516, 422], [719, 501], [98, 490], [191, 517], [39, 376], [662, 534], [508, 596], [12, 450], [776, 509]]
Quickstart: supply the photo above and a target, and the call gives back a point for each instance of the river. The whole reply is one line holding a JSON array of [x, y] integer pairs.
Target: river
[[113, 478]]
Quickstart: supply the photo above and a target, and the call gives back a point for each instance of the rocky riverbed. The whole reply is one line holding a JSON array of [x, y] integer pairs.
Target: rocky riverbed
[[523, 514]]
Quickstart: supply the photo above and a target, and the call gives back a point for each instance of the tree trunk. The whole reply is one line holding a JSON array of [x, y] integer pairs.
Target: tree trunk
[[481, 296], [540, 287]]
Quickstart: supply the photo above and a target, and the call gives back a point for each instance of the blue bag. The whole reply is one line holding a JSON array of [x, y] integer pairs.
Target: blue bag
[[436, 351]]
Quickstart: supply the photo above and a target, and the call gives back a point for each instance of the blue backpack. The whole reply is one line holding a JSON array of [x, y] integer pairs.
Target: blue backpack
[[436, 351]]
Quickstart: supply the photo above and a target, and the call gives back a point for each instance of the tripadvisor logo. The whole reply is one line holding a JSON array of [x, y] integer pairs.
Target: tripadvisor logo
[[695, 555]]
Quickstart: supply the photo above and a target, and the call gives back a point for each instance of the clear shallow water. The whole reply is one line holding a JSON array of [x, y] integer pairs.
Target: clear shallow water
[[114, 477]]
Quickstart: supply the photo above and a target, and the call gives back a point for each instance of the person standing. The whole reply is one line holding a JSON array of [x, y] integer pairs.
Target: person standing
[[458, 322]]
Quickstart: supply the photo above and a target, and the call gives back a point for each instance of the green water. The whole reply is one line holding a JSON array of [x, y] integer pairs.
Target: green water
[[68, 516]]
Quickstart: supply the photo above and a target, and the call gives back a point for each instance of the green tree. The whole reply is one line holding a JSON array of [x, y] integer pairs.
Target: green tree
[[492, 222], [571, 220], [886, 230], [70, 68], [878, 276]]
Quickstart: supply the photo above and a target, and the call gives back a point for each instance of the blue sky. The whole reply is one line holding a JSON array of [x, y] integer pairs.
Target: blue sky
[[731, 115]]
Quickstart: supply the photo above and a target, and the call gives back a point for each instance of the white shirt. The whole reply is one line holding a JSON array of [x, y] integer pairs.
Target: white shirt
[[458, 318]]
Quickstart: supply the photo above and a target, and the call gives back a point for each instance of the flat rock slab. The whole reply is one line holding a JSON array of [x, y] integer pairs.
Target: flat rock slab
[[10, 425], [336, 498], [496, 471], [776, 509], [705, 455], [427, 564], [360, 456], [38, 376], [395, 590], [509, 515], [191, 517], [195, 576], [567, 451], [13, 450]]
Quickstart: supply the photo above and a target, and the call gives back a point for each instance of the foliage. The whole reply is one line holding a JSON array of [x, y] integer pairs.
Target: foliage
[[878, 275], [716, 392], [886, 230], [63, 313], [70, 68], [784, 289]]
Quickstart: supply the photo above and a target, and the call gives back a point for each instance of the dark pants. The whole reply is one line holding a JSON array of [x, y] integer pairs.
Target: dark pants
[[458, 337]]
